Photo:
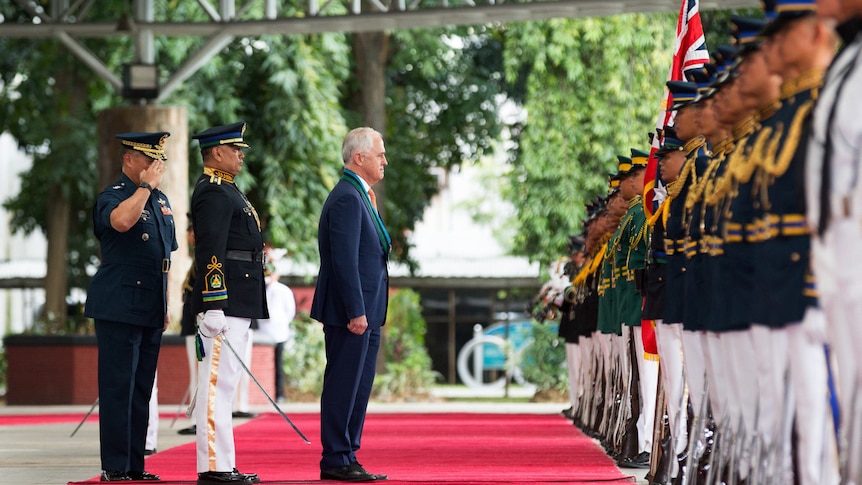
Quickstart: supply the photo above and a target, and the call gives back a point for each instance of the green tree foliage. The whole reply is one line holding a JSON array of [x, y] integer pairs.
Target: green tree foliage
[[593, 91], [47, 103], [287, 88], [442, 91], [589, 88]]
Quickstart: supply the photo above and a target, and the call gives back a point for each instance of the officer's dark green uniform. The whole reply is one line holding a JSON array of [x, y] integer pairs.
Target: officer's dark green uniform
[[631, 250], [608, 323], [127, 298]]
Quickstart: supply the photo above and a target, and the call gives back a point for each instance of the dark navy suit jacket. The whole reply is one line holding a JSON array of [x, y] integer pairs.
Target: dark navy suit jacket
[[353, 279]]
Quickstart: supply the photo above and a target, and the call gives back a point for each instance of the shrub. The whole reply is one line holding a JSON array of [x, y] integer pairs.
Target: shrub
[[543, 361], [407, 369], [305, 361], [404, 369]]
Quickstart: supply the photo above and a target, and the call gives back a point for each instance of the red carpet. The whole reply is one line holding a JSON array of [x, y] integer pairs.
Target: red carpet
[[459, 449], [60, 418], [31, 419]]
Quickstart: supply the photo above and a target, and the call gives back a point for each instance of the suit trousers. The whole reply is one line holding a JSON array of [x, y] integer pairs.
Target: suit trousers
[[351, 362], [218, 376], [127, 360]]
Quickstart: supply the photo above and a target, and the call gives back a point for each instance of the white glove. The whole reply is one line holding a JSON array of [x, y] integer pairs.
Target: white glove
[[212, 323]]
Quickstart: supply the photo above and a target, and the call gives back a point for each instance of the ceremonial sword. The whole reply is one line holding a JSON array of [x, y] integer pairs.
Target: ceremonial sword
[[248, 371], [85, 417]]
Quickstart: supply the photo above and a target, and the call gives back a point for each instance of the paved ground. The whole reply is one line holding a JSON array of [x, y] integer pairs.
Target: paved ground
[[47, 455]]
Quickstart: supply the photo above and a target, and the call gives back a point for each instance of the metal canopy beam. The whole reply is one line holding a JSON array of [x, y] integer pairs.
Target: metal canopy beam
[[399, 16], [67, 22]]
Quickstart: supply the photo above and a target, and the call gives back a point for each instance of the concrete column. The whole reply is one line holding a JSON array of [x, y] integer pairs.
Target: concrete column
[[175, 182]]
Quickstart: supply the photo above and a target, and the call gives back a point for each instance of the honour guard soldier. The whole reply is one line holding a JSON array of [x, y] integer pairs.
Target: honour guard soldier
[[586, 317], [834, 210], [568, 330], [229, 292], [635, 264], [631, 257], [668, 337], [695, 245], [127, 298], [607, 326], [799, 48], [749, 89]]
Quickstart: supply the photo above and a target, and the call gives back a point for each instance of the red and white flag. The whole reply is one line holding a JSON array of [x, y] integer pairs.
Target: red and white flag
[[689, 52]]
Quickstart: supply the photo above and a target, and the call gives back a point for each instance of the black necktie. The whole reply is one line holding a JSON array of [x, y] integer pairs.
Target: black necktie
[[826, 175]]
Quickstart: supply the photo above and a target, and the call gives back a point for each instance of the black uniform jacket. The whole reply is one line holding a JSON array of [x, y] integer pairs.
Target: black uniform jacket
[[229, 258]]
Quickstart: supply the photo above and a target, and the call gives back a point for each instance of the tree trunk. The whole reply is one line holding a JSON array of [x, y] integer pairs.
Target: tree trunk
[[371, 50], [57, 233]]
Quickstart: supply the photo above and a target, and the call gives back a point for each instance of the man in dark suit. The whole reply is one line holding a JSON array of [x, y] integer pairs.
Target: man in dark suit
[[351, 299], [228, 294], [127, 298]]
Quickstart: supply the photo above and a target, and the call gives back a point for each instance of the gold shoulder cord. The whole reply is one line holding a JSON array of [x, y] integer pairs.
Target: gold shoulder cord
[[777, 165], [697, 192], [774, 165]]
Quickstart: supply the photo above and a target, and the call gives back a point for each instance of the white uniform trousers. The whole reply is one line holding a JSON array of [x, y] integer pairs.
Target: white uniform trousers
[[573, 361], [242, 389], [716, 376], [817, 454], [648, 380], [743, 387], [669, 342], [695, 369], [192, 357], [772, 361], [840, 295], [153, 423], [218, 377]]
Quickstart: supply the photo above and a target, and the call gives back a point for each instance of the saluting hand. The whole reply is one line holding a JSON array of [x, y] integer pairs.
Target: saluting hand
[[154, 173], [358, 325]]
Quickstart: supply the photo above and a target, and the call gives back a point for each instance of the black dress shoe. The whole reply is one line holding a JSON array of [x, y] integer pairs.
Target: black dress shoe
[[193, 429], [377, 476], [243, 414], [143, 476], [149, 452], [638, 461], [251, 476], [222, 478], [114, 476], [346, 473]]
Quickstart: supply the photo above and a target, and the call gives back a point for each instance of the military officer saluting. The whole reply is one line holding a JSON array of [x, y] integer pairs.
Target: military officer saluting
[[228, 293], [127, 299]]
